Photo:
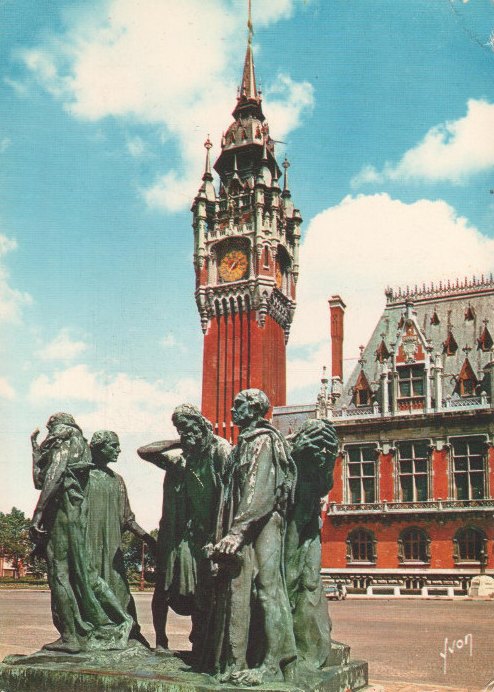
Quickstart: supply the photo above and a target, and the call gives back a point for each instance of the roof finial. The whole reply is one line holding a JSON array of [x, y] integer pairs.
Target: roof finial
[[286, 166], [249, 22], [249, 99], [207, 167]]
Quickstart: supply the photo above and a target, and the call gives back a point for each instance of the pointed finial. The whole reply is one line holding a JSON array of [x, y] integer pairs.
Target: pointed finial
[[362, 360], [249, 22], [324, 379], [286, 166], [207, 168], [249, 99]]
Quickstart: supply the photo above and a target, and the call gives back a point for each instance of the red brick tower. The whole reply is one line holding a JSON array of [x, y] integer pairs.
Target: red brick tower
[[246, 239]]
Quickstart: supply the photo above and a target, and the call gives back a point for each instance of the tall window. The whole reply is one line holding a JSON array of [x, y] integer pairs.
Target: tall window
[[413, 545], [362, 397], [413, 471], [361, 474], [361, 546], [469, 544], [411, 381], [468, 468]]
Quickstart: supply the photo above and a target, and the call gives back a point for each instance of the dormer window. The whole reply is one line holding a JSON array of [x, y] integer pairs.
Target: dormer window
[[411, 381], [382, 352], [362, 392], [467, 381], [435, 319], [485, 342], [362, 397], [449, 345]]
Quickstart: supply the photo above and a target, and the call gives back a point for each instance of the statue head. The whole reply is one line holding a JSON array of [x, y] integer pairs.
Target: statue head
[[105, 447], [314, 444], [195, 431], [61, 419], [249, 405]]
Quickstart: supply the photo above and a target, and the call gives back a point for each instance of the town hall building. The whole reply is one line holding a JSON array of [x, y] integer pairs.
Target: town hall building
[[412, 507]]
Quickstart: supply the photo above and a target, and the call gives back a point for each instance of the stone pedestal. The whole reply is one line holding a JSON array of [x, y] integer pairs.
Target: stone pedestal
[[482, 585], [139, 670]]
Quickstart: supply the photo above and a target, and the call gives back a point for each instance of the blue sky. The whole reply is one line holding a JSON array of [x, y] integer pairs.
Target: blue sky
[[385, 110]]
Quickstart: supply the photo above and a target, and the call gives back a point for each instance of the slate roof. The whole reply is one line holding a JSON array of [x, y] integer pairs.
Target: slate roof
[[464, 309]]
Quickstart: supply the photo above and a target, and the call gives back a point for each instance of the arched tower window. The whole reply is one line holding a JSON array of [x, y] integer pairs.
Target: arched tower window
[[469, 545], [361, 546], [414, 545]]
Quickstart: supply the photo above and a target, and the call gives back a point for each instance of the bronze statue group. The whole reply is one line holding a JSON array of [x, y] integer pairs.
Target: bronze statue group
[[238, 546]]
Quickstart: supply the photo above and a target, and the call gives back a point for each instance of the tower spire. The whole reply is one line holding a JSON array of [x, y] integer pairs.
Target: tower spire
[[248, 95]]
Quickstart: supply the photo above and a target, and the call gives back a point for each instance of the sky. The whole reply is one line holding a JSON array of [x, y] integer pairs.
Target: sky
[[384, 108]]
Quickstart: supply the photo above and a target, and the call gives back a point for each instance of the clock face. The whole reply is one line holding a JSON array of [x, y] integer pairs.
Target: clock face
[[233, 265]]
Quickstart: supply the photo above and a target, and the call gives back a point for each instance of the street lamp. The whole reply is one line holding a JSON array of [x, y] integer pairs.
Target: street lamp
[[141, 583]]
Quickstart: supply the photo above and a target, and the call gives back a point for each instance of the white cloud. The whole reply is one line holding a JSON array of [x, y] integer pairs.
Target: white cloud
[[11, 300], [137, 410], [178, 69], [452, 151], [6, 389], [62, 347], [118, 402], [5, 144], [20, 88], [356, 249], [136, 147], [168, 341]]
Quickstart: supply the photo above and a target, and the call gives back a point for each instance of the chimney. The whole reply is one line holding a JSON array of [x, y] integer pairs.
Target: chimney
[[337, 311]]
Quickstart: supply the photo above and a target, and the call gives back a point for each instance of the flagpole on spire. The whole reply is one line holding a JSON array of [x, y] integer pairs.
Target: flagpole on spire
[[249, 21]]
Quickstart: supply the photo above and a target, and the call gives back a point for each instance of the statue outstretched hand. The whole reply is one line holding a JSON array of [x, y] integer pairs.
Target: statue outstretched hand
[[34, 439]]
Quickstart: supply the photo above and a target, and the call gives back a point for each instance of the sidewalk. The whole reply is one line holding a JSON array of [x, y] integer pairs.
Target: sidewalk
[[396, 686]]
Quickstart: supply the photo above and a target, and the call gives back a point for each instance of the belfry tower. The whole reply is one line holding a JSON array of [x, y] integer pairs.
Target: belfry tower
[[246, 242]]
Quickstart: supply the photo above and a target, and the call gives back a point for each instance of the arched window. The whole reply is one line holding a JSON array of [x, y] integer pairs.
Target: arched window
[[414, 546], [469, 544], [361, 546]]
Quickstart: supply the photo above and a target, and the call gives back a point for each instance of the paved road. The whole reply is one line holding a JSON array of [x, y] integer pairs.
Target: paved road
[[401, 639]]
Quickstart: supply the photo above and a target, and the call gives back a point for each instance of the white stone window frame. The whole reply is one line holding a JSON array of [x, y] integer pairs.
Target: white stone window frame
[[396, 466], [482, 437], [346, 476]]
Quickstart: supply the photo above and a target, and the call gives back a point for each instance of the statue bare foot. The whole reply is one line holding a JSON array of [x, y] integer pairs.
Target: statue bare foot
[[253, 676], [162, 650], [70, 646], [229, 673]]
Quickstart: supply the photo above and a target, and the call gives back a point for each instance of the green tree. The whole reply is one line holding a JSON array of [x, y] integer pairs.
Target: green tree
[[15, 544], [132, 553]]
